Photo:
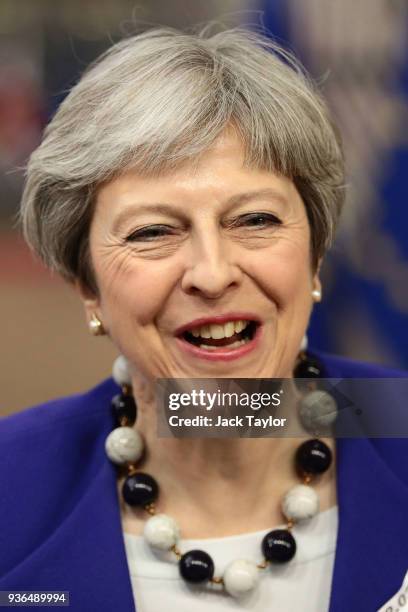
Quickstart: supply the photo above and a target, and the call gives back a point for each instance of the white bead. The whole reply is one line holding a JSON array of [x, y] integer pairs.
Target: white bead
[[303, 345], [120, 371], [124, 444], [301, 502], [161, 531], [317, 409], [240, 577]]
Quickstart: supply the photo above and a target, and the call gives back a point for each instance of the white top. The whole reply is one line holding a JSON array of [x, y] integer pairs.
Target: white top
[[302, 585]]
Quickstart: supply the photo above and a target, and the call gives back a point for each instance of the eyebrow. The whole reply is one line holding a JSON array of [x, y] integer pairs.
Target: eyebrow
[[172, 209]]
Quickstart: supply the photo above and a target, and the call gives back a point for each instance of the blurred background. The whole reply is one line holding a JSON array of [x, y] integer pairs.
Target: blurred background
[[357, 51]]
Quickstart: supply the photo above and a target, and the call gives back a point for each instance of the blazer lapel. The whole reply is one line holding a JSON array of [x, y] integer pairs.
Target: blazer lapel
[[372, 547], [372, 551], [85, 555]]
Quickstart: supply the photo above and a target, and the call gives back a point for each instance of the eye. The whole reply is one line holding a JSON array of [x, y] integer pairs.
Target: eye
[[257, 220], [150, 233]]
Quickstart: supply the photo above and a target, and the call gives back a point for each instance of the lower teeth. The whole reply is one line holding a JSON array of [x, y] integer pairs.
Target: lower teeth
[[235, 344]]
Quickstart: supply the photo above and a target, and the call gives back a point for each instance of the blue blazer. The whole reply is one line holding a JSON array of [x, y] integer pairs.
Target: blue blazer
[[60, 526]]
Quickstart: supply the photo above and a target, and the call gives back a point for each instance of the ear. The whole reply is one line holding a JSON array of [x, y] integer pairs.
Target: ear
[[90, 301], [316, 277], [317, 282]]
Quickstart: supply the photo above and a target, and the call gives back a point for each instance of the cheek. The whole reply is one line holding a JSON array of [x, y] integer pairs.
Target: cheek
[[135, 292], [285, 276]]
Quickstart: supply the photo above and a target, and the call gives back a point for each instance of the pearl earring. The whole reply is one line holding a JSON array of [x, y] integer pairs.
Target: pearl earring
[[95, 326], [317, 295]]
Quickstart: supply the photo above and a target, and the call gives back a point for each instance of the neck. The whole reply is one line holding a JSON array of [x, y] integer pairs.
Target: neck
[[219, 486]]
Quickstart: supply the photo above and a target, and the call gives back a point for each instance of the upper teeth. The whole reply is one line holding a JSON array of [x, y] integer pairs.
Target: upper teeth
[[226, 330]]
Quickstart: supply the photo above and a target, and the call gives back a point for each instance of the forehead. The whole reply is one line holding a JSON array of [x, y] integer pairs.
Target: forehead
[[214, 178]]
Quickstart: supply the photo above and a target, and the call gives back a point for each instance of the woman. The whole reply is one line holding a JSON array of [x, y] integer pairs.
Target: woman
[[189, 187]]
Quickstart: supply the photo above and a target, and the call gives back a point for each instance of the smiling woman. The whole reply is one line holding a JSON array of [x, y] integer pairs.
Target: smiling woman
[[214, 234], [188, 188]]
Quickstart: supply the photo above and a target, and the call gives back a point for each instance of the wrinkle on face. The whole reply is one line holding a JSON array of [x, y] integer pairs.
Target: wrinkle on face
[[209, 266]]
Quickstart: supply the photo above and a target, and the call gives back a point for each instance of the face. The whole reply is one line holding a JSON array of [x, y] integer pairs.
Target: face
[[204, 271]]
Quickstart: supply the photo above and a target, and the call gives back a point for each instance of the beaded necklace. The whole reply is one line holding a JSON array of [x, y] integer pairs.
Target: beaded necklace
[[124, 447]]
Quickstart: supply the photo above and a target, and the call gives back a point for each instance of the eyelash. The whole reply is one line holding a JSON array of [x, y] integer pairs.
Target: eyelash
[[145, 234], [272, 219]]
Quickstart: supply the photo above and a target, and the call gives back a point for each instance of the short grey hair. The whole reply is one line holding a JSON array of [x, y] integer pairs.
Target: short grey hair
[[161, 97]]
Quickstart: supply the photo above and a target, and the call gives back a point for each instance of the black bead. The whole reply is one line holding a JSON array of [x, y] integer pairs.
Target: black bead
[[308, 368], [140, 489], [196, 566], [313, 457], [124, 406], [279, 546]]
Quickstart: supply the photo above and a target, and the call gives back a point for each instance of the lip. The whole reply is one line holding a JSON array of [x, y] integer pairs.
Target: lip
[[221, 354], [229, 316]]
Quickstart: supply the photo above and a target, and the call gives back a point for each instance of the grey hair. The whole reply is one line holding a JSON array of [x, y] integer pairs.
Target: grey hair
[[161, 97]]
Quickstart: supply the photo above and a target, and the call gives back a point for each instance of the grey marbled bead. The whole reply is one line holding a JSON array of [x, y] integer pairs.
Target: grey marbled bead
[[124, 444], [317, 409], [161, 531], [300, 502], [240, 577], [120, 371]]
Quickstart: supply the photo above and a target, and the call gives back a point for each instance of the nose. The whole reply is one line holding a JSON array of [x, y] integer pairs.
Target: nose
[[211, 269]]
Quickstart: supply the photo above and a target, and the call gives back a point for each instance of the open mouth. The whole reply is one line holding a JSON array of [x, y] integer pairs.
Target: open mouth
[[230, 335]]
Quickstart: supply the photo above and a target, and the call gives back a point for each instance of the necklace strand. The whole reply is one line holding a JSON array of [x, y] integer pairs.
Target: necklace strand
[[124, 447]]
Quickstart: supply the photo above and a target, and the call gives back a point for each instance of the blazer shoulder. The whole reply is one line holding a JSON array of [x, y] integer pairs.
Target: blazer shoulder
[[51, 455], [391, 449], [68, 411], [337, 366]]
